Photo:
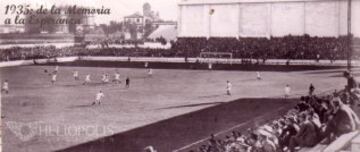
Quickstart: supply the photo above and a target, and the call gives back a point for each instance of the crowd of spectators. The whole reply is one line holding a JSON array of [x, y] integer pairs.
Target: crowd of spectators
[[160, 39], [288, 47], [312, 121], [17, 53]]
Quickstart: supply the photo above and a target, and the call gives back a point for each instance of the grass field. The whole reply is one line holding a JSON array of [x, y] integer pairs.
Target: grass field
[[38, 116]]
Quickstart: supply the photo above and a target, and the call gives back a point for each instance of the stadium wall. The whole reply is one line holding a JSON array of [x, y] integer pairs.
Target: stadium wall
[[265, 18], [38, 61], [164, 60], [21, 38]]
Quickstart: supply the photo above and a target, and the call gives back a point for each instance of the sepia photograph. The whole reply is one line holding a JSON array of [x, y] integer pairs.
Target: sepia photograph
[[180, 75]]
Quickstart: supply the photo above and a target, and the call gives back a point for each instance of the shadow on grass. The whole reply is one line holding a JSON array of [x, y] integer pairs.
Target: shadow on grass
[[192, 105], [212, 96], [185, 129], [80, 106], [70, 85]]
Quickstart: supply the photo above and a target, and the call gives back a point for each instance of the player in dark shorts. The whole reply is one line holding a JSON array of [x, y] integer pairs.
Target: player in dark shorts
[[311, 89], [127, 82]]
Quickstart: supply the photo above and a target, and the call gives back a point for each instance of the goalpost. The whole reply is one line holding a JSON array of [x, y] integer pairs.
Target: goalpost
[[224, 57]]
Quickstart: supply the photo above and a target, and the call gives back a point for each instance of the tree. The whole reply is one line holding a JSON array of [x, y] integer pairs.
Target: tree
[[105, 28], [37, 28], [148, 29]]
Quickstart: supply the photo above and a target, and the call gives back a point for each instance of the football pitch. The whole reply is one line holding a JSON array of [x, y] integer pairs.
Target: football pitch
[[39, 116]]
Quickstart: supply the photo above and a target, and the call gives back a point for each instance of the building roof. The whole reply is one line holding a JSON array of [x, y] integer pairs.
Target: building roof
[[135, 15], [164, 23], [168, 32]]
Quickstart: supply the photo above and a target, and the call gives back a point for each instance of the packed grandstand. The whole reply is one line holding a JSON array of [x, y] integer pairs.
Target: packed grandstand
[[289, 47]]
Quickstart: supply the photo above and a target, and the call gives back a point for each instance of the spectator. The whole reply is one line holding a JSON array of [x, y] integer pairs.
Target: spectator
[[351, 82], [149, 149], [344, 120], [266, 145], [352, 88], [290, 129], [306, 136]]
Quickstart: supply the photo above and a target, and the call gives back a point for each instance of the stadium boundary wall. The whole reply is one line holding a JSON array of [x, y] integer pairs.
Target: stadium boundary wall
[[38, 61], [177, 60], [265, 18]]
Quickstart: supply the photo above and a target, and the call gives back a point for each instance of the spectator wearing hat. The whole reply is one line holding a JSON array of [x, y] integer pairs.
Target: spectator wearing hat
[[290, 129], [306, 136], [352, 88], [344, 120], [149, 149], [267, 145]]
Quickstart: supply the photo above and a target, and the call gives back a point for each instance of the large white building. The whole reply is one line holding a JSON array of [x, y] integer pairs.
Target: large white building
[[265, 18]]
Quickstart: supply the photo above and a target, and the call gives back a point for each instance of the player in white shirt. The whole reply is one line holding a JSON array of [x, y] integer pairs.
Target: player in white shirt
[[107, 79], [150, 72], [98, 97], [117, 78], [5, 87], [53, 78], [76, 75], [103, 77], [56, 69], [87, 79], [258, 76], [228, 87], [146, 64], [287, 90], [210, 66]]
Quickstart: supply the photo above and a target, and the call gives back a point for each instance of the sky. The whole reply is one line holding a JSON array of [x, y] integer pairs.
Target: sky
[[119, 8]]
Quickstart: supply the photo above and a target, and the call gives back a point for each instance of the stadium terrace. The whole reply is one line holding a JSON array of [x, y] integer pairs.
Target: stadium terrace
[[88, 11]]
